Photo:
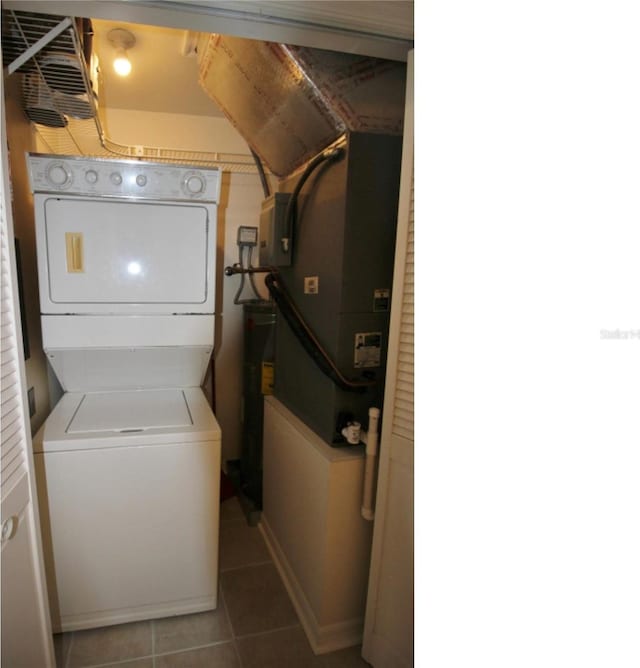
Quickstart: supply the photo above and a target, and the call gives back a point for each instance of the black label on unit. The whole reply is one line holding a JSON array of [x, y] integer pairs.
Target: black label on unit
[[381, 300], [367, 350]]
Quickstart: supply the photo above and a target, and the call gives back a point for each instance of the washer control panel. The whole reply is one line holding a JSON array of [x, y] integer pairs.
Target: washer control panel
[[122, 178]]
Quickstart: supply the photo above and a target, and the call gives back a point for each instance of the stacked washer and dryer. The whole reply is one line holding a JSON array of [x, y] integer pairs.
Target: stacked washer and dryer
[[128, 462]]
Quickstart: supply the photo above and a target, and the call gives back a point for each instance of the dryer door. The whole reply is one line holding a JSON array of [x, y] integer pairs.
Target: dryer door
[[119, 256]]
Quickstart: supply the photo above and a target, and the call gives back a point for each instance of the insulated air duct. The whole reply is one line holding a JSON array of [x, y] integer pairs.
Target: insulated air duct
[[290, 103]]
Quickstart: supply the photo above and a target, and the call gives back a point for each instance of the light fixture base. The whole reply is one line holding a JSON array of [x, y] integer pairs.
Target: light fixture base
[[121, 38]]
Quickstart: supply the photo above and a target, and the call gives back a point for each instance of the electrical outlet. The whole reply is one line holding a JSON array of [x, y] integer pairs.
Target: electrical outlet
[[311, 285]]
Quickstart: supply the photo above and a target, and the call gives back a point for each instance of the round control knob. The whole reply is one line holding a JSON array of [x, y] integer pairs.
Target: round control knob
[[59, 175], [194, 184], [141, 180], [116, 178], [91, 176]]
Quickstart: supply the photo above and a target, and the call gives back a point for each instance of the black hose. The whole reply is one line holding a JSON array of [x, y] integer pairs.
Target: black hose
[[306, 337], [291, 210], [263, 176]]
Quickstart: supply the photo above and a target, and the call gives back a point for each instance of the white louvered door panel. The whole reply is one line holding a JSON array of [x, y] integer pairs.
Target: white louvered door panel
[[388, 632], [403, 398], [26, 630], [14, 464]]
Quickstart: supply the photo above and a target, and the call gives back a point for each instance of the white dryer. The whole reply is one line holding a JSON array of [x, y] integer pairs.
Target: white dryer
[[128, 462]]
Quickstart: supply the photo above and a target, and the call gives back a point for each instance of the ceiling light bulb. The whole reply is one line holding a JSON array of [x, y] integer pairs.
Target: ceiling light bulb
[[122, 40], [121, 64]]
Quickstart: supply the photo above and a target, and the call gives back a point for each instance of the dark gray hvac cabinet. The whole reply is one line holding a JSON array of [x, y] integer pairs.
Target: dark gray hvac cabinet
[[345, 236]]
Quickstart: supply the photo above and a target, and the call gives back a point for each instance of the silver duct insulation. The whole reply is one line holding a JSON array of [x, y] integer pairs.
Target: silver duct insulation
[[290, 103]]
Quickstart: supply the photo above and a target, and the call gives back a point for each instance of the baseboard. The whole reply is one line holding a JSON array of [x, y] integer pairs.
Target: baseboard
[[323, 639], [156, 611]]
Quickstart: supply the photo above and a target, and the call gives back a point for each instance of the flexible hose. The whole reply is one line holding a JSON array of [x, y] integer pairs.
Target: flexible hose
[[291, 210], [308, 340], [236, 299], [242, 272], [263, 176], [251, 279]]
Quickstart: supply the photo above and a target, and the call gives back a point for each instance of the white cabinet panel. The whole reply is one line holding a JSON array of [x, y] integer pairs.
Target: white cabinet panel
[[21, 622], [130, 533]]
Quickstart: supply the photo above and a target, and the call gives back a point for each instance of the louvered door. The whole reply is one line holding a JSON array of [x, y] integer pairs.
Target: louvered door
[[13, 438], [26, 631], [388, 633], [403, 396]]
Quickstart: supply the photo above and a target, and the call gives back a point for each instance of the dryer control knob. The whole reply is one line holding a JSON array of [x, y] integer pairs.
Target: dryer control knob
[[59, 175], [116, 178], [194, 184], [91, 176], [141, 180]]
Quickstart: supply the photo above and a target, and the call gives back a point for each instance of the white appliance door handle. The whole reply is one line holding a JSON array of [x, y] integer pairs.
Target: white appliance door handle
[[9, 528]]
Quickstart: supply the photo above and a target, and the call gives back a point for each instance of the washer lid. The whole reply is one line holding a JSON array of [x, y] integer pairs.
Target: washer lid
[[124, 418], [132, 411]]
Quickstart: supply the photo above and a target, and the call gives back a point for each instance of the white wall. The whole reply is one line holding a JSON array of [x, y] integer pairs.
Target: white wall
[[162, 130]]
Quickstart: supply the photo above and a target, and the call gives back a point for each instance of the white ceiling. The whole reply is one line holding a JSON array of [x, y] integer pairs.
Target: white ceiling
[[161, 79]]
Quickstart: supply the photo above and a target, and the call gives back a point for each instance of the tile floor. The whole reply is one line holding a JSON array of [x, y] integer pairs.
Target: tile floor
[[254, 626]]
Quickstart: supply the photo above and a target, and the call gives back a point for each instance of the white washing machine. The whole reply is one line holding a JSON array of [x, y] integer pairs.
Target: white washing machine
[[128, 462]]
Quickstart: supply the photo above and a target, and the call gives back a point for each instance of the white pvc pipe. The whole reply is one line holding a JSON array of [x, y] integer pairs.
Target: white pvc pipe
[[370, 465]]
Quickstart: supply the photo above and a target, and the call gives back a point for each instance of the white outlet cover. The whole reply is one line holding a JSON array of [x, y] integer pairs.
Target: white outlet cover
[[311, 285]]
